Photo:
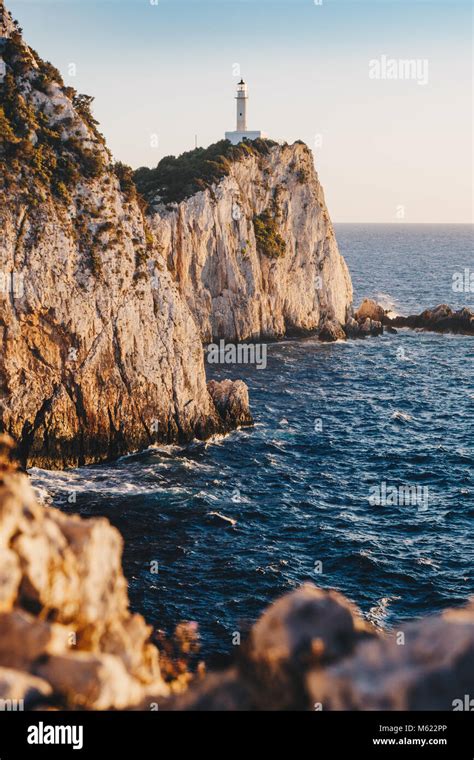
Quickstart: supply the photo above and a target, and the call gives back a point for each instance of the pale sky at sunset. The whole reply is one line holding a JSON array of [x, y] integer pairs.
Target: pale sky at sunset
[[168, 69]]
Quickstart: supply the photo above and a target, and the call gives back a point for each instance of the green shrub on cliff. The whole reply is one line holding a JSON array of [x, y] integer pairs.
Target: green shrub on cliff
[[34, 157], [269, 241], [177, 178], [124, 175], [7, 135]]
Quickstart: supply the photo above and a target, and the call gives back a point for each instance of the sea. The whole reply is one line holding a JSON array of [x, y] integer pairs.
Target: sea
[[357, 475]]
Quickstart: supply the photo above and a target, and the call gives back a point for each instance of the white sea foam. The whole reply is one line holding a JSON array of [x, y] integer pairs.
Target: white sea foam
[[377, 614], [224, 518], [427, 561], [388, 303], [398, 415], [104, 480]]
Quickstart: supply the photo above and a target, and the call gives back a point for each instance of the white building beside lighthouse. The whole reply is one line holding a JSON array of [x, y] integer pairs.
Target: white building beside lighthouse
[[241, 131]]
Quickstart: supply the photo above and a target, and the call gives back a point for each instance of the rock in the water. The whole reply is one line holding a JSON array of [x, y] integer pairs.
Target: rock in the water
[[366, 321], [231, 399], [352, 328], [370, 327], [440, 319], [370, 309], [331, 331]]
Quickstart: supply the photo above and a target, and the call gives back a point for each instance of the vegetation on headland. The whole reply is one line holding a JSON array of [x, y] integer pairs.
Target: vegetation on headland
[[50, 145], [269, 241], [177, 178], [38, 150]]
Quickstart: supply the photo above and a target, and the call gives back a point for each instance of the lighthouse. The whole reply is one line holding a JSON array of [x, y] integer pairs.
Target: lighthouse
[[241, 100], [241, 131]]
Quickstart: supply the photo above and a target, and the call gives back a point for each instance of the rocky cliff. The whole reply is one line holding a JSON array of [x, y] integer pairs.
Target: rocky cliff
[[65, 627], [68, 639], [254, 252], [100, 352]]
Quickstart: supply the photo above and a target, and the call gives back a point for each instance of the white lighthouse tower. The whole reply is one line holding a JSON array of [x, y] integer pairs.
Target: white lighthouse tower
[[241, 131]]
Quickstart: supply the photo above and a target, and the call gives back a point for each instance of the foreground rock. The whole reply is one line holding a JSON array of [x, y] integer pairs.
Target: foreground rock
[[66, 632], [21, 690], [430, 668], [100, 352], [440, 319], [68, 640], [312, 651]]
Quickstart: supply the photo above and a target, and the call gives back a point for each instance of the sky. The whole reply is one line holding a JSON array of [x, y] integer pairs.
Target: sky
[[386, 149]]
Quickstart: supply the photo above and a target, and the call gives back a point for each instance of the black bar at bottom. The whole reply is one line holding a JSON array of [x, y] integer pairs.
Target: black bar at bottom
[[318, 734]]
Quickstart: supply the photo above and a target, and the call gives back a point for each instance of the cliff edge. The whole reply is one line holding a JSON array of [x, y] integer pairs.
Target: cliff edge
[[100, 352], [253, 251]]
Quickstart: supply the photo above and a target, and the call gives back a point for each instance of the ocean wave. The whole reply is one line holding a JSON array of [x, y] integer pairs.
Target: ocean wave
[[102, 481]]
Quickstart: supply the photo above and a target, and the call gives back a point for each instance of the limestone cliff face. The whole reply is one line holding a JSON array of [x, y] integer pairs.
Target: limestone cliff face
[[256, 255], [100, 353]]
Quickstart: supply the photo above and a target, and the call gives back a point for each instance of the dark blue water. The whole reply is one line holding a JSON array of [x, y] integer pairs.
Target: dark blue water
[[297, 490]]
